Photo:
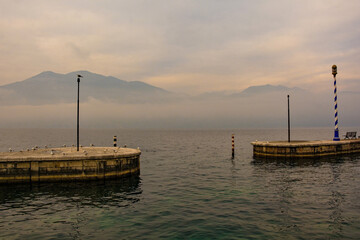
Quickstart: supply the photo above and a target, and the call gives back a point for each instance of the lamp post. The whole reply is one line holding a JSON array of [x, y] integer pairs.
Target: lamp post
[[288, 98], [336, 130], [78, 81]]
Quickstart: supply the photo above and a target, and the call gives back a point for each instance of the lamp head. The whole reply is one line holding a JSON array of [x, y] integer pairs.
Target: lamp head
[[78, 79], [334, 70]]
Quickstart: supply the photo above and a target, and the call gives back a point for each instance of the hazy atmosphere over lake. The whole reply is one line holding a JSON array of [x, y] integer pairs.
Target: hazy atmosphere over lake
[[185, 64], [198, 88]]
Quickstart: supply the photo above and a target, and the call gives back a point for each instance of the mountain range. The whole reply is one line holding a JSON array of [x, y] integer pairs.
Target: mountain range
[[49, 100], [53, 88]]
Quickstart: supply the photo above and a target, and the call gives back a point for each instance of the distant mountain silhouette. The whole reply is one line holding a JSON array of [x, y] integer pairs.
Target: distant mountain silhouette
[[48, 99], [49, 88], [268, 89], [52, 88], [251, 91]]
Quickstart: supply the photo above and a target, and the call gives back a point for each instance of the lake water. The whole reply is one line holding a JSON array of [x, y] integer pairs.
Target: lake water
[[188, 188]]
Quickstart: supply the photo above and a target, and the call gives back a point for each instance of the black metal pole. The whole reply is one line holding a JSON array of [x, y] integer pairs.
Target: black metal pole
[[78, 81], [288, 97]]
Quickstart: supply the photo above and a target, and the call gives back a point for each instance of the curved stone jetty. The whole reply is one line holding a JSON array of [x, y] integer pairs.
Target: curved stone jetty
[[304, 149], [67, 164]]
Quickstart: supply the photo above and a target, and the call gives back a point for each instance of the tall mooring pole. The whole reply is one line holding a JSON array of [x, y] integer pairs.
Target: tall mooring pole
[[77, 135], [288, 97], [336, 130], [232, 146]]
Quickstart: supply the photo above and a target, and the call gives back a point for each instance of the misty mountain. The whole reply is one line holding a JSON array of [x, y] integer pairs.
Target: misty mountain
[[53, 88], [49, 100], [268, 89], [252, 91]]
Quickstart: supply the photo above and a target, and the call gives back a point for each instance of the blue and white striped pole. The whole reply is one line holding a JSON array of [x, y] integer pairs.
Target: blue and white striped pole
[[336, 130]]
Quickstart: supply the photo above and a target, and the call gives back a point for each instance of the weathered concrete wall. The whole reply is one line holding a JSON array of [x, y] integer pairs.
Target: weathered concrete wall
[[67, 165], [305, 149]]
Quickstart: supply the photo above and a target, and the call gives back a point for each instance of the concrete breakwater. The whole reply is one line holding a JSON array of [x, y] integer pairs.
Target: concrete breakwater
[[304, 149], [67, 164]]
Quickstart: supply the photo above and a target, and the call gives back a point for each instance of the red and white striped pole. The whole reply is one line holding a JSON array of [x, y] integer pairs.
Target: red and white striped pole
[[233, 146]]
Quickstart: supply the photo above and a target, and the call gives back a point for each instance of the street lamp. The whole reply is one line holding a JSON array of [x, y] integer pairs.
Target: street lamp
[[288, 98], [78, 81]]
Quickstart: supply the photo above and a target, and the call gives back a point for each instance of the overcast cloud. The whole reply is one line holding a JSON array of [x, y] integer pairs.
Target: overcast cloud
[[184, 46]]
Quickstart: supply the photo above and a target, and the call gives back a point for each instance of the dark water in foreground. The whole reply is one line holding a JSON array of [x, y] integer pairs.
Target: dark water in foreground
[[189, 188]]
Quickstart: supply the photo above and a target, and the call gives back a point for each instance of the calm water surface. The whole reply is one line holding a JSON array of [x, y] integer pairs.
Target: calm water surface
[[189, 188]]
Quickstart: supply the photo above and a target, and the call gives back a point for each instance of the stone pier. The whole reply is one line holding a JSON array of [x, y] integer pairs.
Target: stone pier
[[67, 164], [304, 149]]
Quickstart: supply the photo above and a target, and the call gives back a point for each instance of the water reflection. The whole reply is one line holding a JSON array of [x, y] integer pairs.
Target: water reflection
[[62, 210], [234, 173], [117, 192], [300, 188], [336, 201], [285, 162]]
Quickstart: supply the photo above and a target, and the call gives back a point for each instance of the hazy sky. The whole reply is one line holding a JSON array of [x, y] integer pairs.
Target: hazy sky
[[185, 46]]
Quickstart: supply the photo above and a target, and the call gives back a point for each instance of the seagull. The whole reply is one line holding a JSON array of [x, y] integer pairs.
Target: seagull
[[79, 76]]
